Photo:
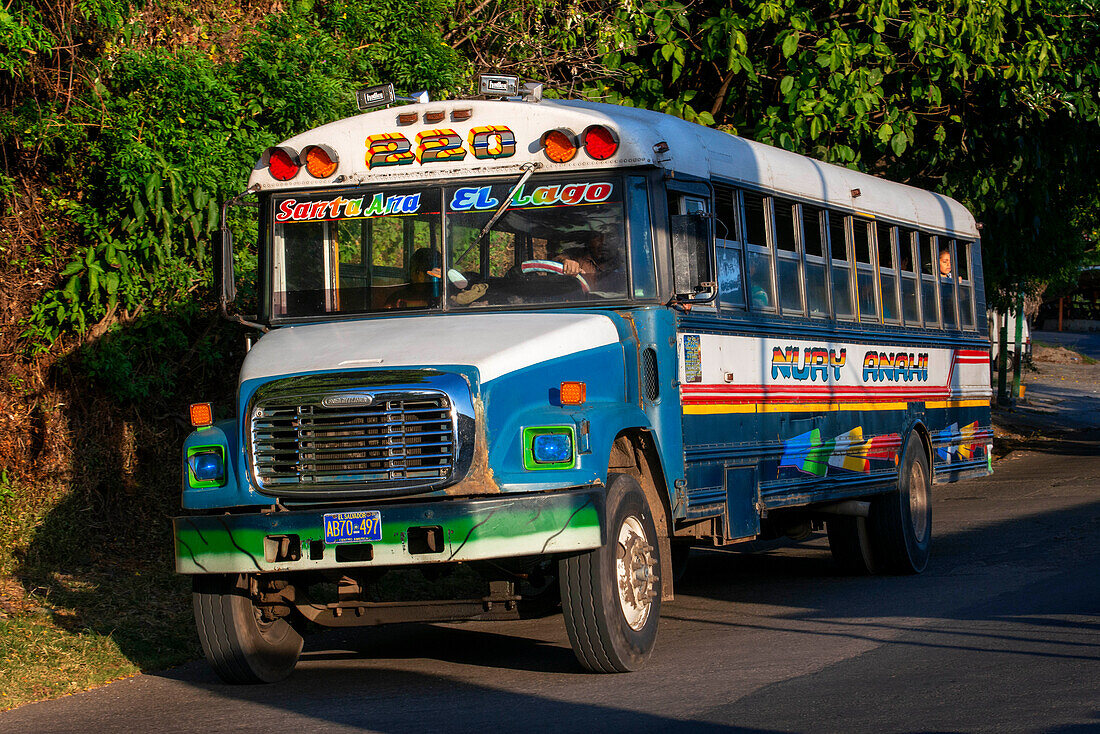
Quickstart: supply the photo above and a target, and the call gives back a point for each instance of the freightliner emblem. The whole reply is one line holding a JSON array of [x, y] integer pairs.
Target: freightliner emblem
[[344, 401]]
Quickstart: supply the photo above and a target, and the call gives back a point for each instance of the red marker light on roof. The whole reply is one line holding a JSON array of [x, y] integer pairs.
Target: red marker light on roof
[[599, 142], [282, 163], [321, 161]]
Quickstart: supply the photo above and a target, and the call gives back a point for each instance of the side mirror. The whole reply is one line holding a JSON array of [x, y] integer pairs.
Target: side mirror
[[692, 263], [224, 282]]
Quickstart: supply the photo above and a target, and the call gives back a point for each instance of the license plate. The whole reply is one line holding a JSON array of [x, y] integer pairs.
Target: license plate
[[353, 527]]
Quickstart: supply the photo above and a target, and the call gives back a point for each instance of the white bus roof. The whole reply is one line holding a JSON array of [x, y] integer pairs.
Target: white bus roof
[[692, 150]]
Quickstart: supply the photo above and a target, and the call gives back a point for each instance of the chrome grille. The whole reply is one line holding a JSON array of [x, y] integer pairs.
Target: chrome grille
[[400, 440]]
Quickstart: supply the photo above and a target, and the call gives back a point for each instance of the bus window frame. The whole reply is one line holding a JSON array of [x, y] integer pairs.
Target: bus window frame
[[816, 260], [914, 260], [737, 246], [953, 279], [933, 275], [848, 265], [768, 248], [968, 249], [893, 273], [867, 267], [795, 256]]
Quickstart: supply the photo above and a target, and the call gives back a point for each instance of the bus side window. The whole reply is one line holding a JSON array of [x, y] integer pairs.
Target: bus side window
[[887, 273], [761, 287], [910, 274], [788, 270], [929, 256], [865, 272], [727, 234], [963, 252], [813, 238], [946, 269], [641, 240], [841, 271]]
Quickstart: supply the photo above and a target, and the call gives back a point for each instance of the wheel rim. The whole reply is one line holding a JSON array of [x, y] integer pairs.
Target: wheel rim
[[918, 501], [635, 577]]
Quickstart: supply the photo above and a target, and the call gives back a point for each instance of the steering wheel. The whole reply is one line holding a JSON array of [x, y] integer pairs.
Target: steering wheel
[[552, 266]]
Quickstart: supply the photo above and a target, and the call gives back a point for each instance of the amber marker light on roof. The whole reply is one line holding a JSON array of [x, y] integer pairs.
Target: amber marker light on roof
[[321, 161], [559, 145], [572, 393], [202, 414]]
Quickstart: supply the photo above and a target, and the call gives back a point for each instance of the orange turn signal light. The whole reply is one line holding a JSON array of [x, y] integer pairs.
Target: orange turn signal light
[[560, 146], [572, 393], [321, 161], [202, 414]]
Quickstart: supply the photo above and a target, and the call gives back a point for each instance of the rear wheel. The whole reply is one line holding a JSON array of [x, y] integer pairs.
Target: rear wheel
[[611, 596], [901, 522], [241, 644], [896, 536]]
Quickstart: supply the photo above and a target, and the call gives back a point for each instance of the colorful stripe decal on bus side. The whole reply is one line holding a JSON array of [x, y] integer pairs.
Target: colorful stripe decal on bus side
[[736, 374]]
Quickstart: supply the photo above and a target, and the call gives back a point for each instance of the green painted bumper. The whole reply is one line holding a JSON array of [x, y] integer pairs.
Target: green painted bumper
[[474, 529]]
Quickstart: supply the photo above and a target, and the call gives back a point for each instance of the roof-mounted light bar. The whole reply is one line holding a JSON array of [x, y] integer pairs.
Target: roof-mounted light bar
[[498, 85], [383, 95], [508, 87]]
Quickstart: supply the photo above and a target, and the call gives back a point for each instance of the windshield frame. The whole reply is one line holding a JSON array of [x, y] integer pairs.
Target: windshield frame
[[267, 226]]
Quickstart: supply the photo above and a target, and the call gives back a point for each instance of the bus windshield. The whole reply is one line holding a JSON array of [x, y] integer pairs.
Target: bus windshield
[[558, 242]]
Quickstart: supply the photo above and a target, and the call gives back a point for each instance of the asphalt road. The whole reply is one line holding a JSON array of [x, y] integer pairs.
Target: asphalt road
[[1000, 634]]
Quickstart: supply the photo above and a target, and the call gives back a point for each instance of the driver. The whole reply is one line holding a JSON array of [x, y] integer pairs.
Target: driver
[[599, 265]]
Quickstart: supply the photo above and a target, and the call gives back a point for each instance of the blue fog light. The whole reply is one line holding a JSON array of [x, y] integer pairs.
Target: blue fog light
[[207, 467], [552, 448]]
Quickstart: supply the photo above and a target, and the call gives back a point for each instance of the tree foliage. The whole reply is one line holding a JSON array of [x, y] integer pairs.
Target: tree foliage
[[994, 102], [137, 139]]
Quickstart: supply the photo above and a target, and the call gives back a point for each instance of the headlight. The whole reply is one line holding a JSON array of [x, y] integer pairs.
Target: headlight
[[548, 447], [206, 466]]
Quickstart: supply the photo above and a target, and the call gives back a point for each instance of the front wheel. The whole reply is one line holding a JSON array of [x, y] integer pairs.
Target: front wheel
[[241, 644], [611, 596]]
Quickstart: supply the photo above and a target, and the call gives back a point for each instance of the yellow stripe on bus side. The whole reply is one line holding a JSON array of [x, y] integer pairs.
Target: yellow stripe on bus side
[[956, 404]]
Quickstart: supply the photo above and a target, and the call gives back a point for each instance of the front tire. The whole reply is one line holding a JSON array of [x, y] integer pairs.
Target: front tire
[[611, 596], [241, 646]]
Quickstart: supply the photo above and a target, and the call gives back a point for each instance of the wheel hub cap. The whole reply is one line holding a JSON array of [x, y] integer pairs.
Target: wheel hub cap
[[635, 567]]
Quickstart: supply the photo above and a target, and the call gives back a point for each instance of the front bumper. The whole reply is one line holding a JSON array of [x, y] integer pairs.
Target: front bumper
[[474, 529]]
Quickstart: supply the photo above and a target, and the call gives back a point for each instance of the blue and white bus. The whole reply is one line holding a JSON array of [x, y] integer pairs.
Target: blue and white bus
[[558, 342]]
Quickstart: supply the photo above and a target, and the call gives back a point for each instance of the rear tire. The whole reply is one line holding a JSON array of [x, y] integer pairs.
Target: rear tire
[[901, 522], [611, 596], [896, 536], [239, 644]]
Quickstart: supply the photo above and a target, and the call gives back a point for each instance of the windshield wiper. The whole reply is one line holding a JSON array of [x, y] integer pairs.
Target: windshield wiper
[[528, 169]]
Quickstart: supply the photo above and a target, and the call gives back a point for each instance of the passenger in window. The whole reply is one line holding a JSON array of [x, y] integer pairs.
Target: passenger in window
[[945, 263], [425, 274], [758, 294]]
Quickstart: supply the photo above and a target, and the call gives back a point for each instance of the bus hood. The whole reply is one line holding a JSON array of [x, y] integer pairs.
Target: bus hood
[[496, 344]]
